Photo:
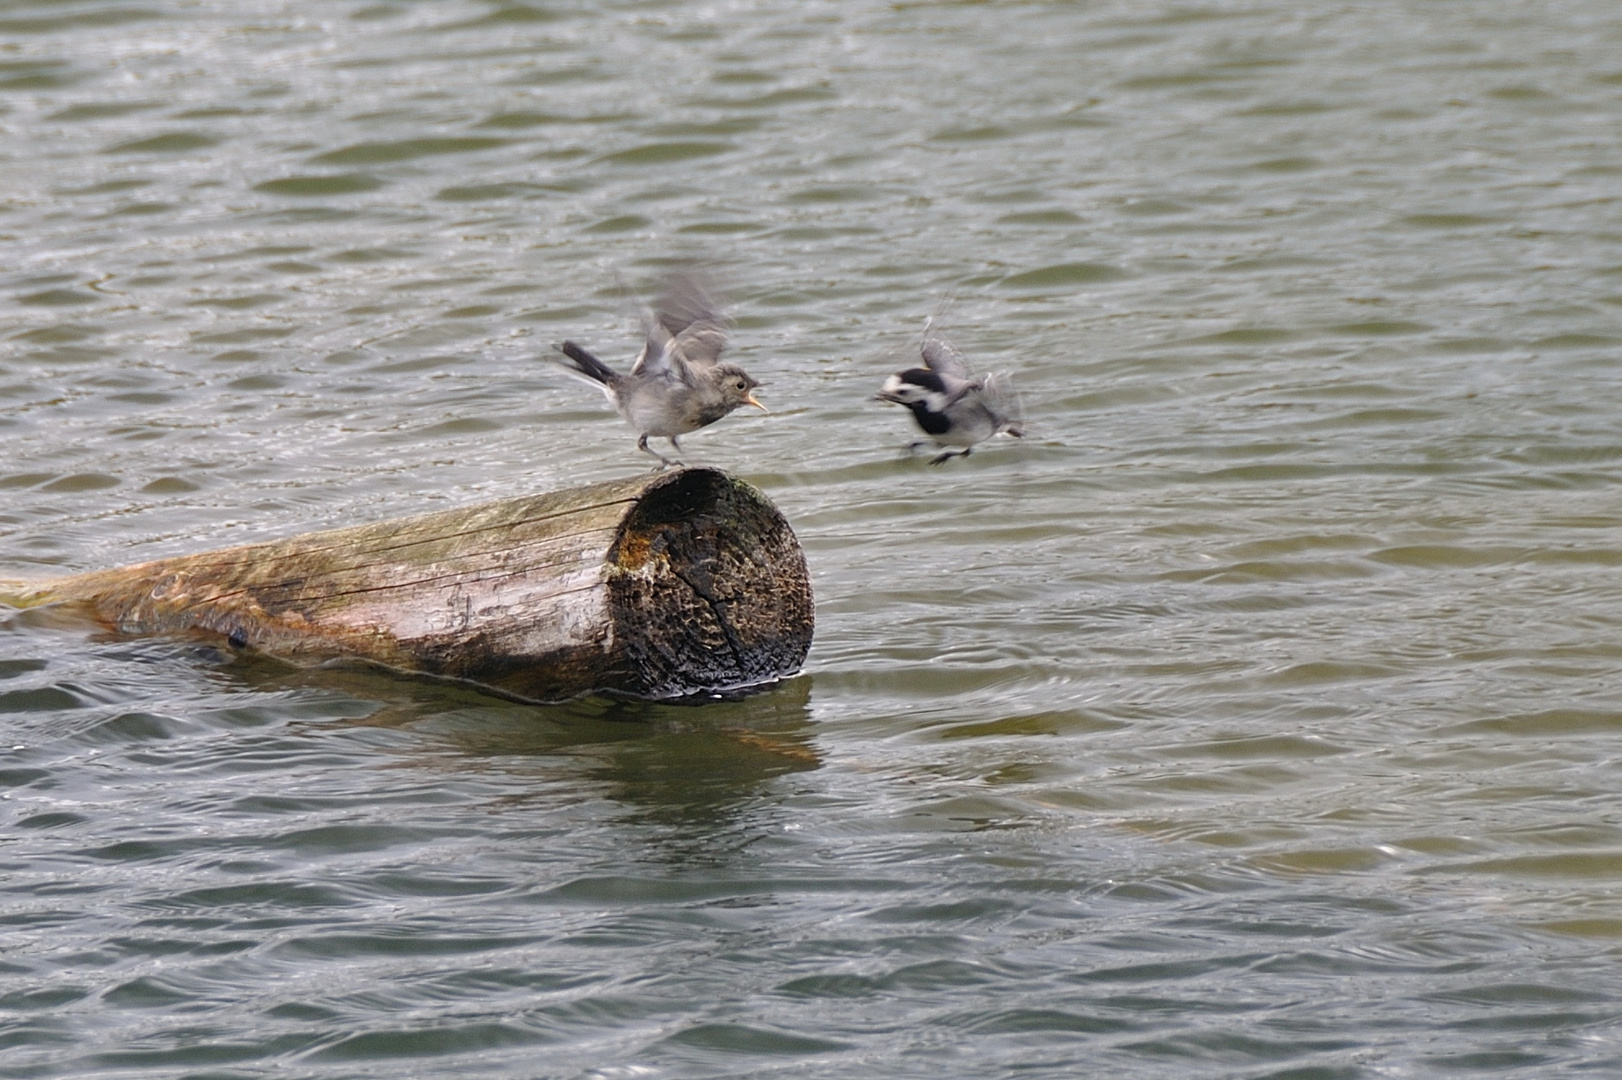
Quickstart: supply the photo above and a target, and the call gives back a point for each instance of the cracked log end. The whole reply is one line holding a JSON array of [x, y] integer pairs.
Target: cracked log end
[[668, 585], [707, 588]]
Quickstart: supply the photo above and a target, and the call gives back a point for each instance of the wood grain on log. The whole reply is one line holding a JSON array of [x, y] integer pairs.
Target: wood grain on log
[[659, 586]]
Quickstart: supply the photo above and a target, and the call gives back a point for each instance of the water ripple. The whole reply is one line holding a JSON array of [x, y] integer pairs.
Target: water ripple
[[1254, 715]]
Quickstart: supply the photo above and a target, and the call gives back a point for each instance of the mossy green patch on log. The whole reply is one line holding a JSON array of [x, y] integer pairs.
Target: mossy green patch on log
[[663, 585]]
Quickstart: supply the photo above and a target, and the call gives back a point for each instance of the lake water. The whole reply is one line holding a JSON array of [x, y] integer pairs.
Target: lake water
[[1258, 715]]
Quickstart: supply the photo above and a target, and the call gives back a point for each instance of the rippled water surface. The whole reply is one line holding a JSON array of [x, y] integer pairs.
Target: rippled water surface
[[1258, 715]]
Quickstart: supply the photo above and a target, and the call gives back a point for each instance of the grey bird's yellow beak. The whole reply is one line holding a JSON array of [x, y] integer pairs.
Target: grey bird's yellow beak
[[749, 399]]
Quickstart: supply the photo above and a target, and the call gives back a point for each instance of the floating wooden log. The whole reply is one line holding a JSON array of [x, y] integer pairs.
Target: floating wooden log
[[665, 585]]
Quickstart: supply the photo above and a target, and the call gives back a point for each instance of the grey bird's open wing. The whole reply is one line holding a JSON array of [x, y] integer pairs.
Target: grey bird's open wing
[[686, 329], [655, 357], [688, 310]]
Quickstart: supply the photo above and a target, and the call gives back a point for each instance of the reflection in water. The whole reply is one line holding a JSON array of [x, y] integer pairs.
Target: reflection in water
[[671, 763]]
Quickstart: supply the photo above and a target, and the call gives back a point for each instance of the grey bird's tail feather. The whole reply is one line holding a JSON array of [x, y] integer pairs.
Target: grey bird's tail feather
[[588, 364]]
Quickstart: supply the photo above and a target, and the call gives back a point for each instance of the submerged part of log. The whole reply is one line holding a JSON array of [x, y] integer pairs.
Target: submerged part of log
[[660, 586]]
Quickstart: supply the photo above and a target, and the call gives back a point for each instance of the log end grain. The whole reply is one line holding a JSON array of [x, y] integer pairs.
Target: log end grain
[[707, 589]]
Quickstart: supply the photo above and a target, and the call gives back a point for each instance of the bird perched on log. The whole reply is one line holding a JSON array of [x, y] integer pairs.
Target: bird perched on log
[[953, 406], [679, 383]]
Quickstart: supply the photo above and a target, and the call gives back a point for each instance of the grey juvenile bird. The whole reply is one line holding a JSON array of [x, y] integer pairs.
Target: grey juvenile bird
[[953, 406], [679, 382]]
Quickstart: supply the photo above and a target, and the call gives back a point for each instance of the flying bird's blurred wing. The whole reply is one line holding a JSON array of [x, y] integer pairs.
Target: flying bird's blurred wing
[[1002, 401], [941, 356]]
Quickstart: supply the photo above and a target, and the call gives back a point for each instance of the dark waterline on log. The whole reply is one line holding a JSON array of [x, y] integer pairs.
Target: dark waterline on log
[[1256, 716]]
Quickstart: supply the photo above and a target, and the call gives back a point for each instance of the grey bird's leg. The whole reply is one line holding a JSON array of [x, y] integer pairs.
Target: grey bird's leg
[[664, 462], [951, 454]]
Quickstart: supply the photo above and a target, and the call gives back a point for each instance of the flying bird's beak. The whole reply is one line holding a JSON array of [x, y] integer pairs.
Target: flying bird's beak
[[749, 399]]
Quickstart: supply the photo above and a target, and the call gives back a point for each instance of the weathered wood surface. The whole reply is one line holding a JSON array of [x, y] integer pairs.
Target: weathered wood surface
[[659, 586]]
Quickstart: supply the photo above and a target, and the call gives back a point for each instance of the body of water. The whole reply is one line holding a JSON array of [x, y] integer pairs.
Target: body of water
[[1257, 715]]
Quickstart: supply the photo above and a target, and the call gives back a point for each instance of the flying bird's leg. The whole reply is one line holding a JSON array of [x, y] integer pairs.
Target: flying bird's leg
[[951, 454]]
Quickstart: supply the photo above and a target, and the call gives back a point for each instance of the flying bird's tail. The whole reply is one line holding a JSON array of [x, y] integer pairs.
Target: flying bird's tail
[[587, 364]]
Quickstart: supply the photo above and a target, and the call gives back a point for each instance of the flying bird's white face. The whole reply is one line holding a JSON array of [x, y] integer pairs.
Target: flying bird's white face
[[916, 387]]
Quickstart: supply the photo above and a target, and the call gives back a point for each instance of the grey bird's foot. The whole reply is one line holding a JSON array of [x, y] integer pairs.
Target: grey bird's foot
[[950, 454], [664, 462]]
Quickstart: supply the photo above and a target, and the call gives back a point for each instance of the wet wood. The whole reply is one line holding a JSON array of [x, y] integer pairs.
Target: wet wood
[[664, 585]]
